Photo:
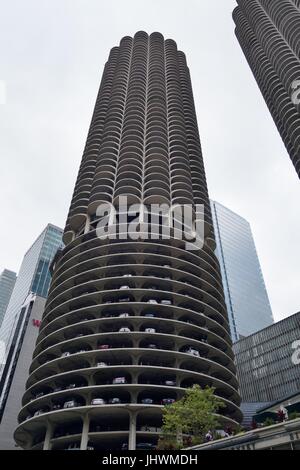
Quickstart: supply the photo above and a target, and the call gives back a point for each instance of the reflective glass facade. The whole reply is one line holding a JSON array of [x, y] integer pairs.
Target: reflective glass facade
[[265, 366], [34, 276], [246, 297], [7, 283]]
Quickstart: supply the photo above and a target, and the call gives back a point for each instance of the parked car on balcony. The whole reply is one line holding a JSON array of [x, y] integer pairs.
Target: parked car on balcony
[[151, 346], [169, 383], [57, 406], [71, 404], [140, 446], [103, 346], [124, 287], [147, 401], [124, 329], [39, 412], [124, 299], [192, 351], [123, 315], [101, 364], [114, 401], [152, 301], [166, 302], [98, 401], [147, 428], [70, 386], [119, 380], [150, 330], [145, 446], [149, 315], [127, 275], [73, 447], [167, 401], [65, 354], [189, 322]]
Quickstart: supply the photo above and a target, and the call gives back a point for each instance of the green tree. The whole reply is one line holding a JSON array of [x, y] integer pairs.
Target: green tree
[[193, 415]]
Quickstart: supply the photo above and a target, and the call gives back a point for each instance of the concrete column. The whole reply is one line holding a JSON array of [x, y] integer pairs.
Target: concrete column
[[48, 437], [87, 224], [134, 377], [177, 363], [133, 396], [85, 431], [132, 431]]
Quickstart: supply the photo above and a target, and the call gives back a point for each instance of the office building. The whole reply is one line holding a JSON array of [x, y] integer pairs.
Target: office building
[[130, 323], [268, 362], [246, 297], [268, 32], [12, 384], [20, 327], [7, 283], [34, 276]]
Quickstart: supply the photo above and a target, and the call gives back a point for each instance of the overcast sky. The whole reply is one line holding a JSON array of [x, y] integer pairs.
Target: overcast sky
[[52, 54]]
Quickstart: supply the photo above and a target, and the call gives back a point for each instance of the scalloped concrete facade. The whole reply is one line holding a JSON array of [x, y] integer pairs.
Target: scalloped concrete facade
[[129, 325]]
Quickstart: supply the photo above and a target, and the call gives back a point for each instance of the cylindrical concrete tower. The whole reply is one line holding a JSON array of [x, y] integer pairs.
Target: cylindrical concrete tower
[[269, 34], [130, 323]]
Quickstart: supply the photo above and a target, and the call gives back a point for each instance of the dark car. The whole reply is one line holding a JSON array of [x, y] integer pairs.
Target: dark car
[[167, 401], [124, 299], [147, 401], [114, 401], [145, 446]]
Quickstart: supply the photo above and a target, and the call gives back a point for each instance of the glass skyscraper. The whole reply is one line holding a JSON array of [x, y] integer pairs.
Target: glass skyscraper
[[34, 276], [21, 325], [246, 296], [7, 283]]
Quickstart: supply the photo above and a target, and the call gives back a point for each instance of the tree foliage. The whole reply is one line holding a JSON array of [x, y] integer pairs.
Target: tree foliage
[[193, 415]]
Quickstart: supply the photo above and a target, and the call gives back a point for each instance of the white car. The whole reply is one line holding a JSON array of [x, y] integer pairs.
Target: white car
[[192, 352], [101, 364], [70, 404], [152, 301], [150, 330], [124, 287], [98, 401], [124, 329], [119, 380], [66, 354], [123, 315]]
